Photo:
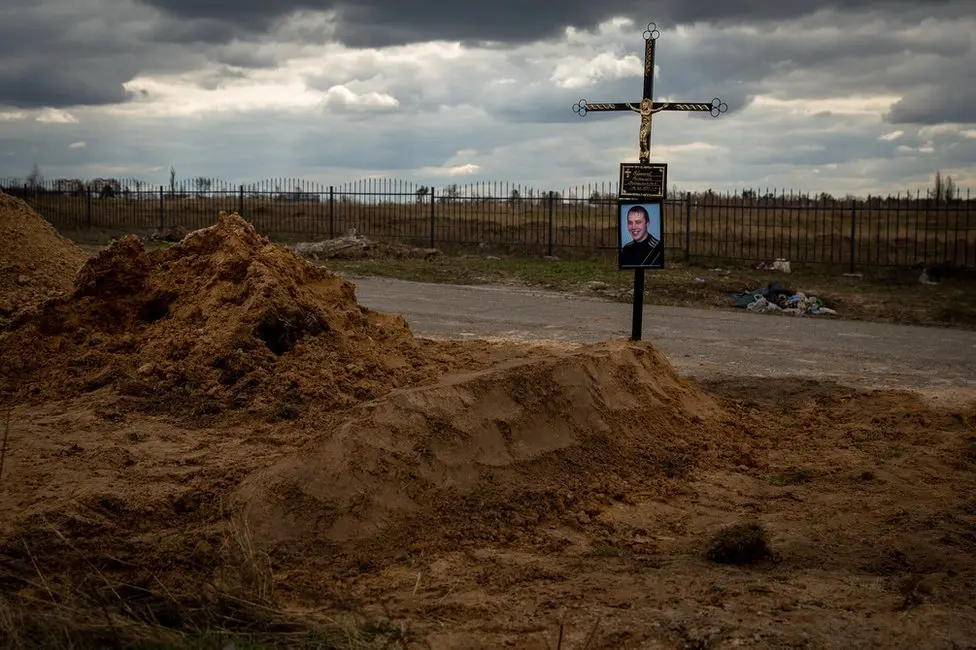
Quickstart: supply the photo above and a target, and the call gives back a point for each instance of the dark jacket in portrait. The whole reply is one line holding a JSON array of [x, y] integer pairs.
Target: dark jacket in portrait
[[649, 252]]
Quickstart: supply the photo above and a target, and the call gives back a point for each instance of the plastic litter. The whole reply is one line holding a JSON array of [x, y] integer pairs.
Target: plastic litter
[[777, 299], [763, 306], [779, 264]]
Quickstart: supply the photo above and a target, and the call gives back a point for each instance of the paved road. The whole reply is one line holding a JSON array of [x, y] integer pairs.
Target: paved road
[[698, 342]]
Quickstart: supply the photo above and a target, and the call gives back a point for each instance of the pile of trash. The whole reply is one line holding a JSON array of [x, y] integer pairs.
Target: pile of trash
[[776, 298], [779, 264]]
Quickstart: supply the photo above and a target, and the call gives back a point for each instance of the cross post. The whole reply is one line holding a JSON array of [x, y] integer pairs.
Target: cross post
[[653, 176]]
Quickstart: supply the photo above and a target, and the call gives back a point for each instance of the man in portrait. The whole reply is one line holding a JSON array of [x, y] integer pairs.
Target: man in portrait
[[645, 249]]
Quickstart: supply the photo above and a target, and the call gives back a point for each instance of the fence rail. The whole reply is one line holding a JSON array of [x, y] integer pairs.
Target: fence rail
[[877, 231]]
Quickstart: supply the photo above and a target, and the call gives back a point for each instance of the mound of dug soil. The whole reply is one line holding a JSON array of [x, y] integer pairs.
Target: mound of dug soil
[[224, 320], [476, 455], [35, 261]]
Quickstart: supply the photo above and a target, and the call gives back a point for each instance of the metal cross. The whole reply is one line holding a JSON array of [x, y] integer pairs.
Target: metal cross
[[647, 106]]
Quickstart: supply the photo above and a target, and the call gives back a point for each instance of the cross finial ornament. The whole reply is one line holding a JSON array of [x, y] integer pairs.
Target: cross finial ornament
[[647, 106]]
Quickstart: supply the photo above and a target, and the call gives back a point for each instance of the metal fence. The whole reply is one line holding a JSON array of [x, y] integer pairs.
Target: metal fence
[[902, 230]]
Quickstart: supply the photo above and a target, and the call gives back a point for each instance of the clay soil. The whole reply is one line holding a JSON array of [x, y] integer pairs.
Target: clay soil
[[35, 261], [214, 442]]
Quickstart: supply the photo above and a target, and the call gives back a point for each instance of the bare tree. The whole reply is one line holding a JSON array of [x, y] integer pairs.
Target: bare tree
[[949, 189], [944, 190], [936, 192], [34, 179], [202, 185]]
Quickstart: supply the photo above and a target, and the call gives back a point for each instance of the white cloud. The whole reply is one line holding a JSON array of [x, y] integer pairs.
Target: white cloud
[[923, 148], [124, 171], [78, 145], [345, 99], [582, 73], [894, 135], [56, 116], [181, 96], [939, 129], [688, 147], [855, 106], [7, 116], [467, 169]]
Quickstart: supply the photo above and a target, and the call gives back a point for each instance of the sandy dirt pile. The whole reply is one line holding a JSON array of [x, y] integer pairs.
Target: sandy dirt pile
[[453, 494], [223, 320], [35, 261], [577, 486], [491, 454]]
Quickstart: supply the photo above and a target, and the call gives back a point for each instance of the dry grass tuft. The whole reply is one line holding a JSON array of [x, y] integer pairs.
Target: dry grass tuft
[[743, 543], [245, 570], [90, 609]]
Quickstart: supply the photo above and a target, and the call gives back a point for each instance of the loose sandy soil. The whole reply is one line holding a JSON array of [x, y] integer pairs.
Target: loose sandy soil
[[35, 261], [216, 435]]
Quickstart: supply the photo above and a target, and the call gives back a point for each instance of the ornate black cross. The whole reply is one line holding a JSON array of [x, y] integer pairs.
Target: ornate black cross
[[647, 106]]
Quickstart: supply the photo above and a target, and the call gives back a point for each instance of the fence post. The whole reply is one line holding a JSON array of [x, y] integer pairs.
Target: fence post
[[853, 231], [88, 206], [552, 200], [687, 227], [162, 208], [433, 217], [240, 201], [331, 212]]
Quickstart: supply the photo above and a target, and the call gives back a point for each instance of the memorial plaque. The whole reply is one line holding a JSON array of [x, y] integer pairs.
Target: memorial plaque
[[643, 180]]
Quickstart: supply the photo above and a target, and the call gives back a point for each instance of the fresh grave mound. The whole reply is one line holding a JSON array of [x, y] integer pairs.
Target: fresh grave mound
[[485, 455], [35, 261], [223, 320]]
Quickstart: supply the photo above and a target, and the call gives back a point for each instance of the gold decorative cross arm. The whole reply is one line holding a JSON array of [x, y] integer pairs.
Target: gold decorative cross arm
[[647, 106]]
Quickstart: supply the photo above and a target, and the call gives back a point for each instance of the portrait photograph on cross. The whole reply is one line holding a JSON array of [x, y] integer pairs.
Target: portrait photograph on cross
[[641, 235]]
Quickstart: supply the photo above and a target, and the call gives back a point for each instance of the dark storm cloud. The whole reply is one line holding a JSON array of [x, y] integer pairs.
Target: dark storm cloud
[[68, 52], [35, 73], [240, 56], [208, 31], [936, 105], [390, 22], [963, 155], [825, 149], [820, 55], [38, 86], [63, 53], [219, 78]]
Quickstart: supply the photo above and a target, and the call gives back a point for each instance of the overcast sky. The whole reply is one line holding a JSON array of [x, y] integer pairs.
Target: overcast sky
[[851, 96]]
